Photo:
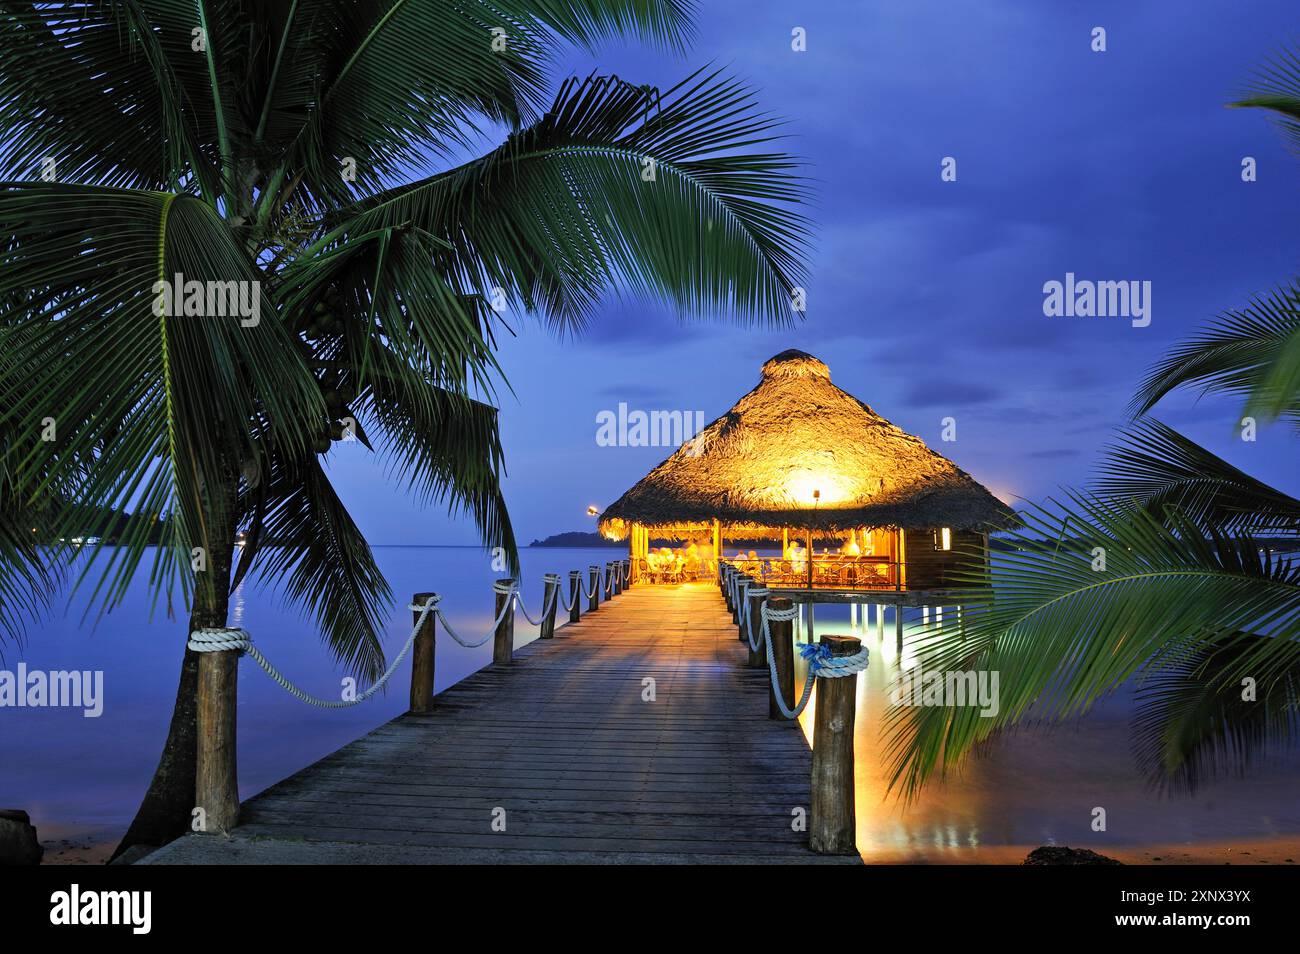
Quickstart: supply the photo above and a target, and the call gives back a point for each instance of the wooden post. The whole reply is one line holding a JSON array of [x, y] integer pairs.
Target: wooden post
[[853, 617], [735, 603], [898, 626], [833, 818], [575, 595], [781, 632], [609, 582], [726, 587], [617, 569], [551, 592], [423, 655], [757, 657], [593, 584], [216, 788], [880, 621], [503, 645]]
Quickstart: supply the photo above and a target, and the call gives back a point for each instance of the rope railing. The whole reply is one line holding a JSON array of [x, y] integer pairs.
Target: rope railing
[[567, 603], [821, 662], [546, 604], [225, 639], [221, 639], [831, 822]]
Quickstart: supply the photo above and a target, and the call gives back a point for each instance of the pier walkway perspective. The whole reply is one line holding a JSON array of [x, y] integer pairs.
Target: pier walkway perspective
[[636, 735]]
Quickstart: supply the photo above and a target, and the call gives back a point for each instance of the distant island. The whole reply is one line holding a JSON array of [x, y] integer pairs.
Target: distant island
[[578, 538]]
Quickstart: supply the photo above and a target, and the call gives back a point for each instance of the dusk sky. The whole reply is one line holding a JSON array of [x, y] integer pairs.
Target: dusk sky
[[926, 297]]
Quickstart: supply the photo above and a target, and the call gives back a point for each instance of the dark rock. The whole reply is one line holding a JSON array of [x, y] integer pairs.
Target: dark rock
[[18, 842], [1065, 855], [134, 854]]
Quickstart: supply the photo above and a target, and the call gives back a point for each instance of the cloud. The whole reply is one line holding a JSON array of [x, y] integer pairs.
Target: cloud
[[951, 393]]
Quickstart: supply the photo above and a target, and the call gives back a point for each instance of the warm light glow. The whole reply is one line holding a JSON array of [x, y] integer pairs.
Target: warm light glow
[[943, 539], [851, 548], [593, 511], [806, 488]]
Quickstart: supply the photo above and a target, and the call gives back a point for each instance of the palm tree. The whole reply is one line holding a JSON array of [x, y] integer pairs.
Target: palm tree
[[310, 152], [1166, 573]]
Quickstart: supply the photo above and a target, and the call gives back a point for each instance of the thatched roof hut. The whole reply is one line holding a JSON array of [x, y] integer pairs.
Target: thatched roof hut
[[755, 469]]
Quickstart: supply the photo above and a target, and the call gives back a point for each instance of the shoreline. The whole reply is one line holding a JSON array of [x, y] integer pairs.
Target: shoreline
[[71, 846]]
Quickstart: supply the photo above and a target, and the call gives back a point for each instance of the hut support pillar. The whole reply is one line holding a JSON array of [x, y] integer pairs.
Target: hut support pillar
[[880, 621], [898, 627], [633, 541]]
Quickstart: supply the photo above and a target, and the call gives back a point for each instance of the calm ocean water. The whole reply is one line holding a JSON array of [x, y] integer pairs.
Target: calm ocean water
[[82, 777]]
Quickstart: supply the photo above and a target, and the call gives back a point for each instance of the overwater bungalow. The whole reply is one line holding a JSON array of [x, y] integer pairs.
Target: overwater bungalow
[[854, 502]]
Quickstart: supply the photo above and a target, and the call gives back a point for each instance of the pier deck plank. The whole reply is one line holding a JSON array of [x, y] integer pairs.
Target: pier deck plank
[[561, 740]]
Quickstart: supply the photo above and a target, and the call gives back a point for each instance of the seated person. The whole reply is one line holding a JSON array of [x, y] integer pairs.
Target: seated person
[[798, 560]]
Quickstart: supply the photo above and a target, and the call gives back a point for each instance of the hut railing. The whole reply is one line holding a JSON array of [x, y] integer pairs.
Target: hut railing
[[840, 573]]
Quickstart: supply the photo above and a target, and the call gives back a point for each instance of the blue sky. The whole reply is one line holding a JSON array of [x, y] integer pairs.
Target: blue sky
[[926, 296]]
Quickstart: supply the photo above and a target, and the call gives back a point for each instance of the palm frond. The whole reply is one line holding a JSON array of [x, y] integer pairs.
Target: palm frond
[[1153, 466], [1253, 353], [29, 572], [621, 187], [1276, 88], [1198, 717], [666, 23], [155, 412], [321, 562], [100, 94], [1063, 634]]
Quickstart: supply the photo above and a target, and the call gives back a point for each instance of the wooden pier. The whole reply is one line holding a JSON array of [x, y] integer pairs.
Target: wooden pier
[[636, 735]]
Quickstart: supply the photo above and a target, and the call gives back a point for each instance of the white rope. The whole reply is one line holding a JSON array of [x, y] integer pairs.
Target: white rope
[[215, 640], [819, 664], [745, 623], [546, 604], [564, 596], [507, 588], [590, 594]]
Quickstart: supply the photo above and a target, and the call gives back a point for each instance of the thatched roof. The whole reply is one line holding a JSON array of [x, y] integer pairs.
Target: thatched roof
[[755, 468]]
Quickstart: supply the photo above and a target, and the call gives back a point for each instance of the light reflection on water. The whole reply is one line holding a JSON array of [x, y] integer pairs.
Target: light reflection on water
[[1036, 785]]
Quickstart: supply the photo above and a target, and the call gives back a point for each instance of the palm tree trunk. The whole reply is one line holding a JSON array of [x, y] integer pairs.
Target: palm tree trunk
[[167, 808]]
